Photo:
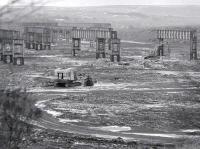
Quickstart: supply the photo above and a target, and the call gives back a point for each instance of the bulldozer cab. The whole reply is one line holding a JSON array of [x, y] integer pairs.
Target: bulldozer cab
[[66, 74]]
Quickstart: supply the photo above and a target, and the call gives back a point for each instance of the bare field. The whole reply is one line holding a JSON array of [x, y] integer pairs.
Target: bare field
[[154, 100]]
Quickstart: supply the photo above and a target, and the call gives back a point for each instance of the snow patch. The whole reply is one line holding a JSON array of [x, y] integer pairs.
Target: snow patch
[[113, 128], [153, 106], [158, 135], [68, 121], [54, 113], [190, 130]]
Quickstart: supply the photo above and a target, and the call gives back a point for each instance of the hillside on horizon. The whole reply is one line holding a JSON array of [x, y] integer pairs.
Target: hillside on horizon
[[123, 18]]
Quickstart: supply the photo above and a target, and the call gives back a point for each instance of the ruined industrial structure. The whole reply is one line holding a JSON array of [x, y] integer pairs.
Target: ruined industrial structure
[[11, 47], [177, 34], [40, 36]]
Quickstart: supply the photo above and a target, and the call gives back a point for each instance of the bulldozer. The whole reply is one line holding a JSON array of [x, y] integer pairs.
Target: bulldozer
[[69, 78]]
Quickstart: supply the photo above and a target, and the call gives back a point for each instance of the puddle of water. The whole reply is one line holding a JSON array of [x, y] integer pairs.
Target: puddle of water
[[113, 128]]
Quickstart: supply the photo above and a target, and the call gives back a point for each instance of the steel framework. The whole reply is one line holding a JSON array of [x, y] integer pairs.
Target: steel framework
[[165, 34], [12, 50]]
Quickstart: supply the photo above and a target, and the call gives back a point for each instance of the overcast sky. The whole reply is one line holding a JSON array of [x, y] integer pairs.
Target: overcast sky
[[77, 3]]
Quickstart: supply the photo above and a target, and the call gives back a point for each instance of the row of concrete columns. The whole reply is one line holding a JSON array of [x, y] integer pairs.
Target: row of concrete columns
[[37, 46], [114, 47]]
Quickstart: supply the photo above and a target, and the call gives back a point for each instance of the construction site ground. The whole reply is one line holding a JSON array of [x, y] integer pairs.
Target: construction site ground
[[133, 103]]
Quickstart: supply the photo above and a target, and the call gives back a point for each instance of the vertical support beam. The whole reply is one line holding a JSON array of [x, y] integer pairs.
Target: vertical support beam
[[76, 45], [8, 51], [18, 52], [160, 50], [101, 42], [193, 45], [114, 46], [91, 44]]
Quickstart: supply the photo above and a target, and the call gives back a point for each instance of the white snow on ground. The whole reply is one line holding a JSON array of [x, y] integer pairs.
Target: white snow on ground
[[78, 111], [41, 76], [168, 72], [175, 92], [75, 62], [97, 86], [113, 128], [60, 108], [106, 87], [68, 120], [147, 106], [136, 57], [54, 113], [190, 130], [158, 135], [194, 74], [41, 104]]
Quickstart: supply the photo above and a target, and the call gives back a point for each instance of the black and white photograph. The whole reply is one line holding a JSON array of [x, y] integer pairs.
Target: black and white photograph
[[99, 74]]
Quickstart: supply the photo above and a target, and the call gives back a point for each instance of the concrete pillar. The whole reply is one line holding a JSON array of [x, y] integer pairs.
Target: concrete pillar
[[160, 50], [193, 46], [31, 45], [112, 58], [104, 55], [6, 57], [101, 48], [49, 47], [36, 46], [41, 46], [118, 58], [21, 61], [97, 55], [115, 47], [91, 44], [28, 45], [76, 45]]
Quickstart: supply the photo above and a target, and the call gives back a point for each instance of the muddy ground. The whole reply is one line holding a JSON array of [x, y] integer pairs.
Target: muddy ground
[[150, 101]]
